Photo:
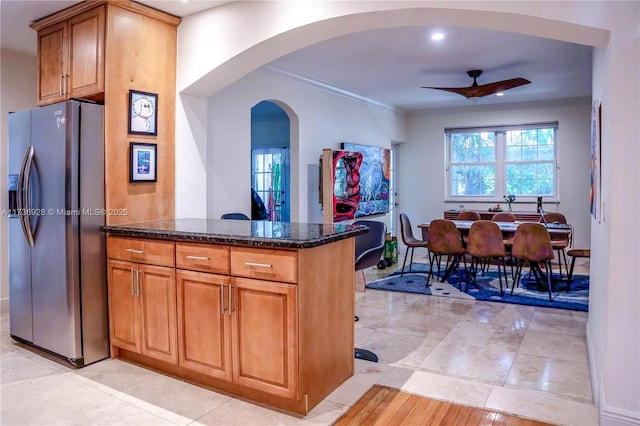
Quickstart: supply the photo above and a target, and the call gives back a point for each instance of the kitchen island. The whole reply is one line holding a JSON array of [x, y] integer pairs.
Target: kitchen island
[[261, 310]]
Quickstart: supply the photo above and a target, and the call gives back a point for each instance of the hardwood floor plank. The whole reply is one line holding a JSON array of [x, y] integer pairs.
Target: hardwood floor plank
[[400, 416], [386, 406], [399, 399]]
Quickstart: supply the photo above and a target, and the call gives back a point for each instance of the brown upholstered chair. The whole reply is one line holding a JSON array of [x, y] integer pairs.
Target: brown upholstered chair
[[504, 217], [468, 215], [444, 239], [559, 242], [485, 243], [532, 244], [409, 240]]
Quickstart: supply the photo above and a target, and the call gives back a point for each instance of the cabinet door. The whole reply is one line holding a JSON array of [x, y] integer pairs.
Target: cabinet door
[[52, 60], [157, 296], [86, 53], [264, 336], [203, 323], [123, 305]]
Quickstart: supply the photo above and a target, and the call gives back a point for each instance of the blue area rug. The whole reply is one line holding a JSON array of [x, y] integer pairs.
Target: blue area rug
[[487, 288]]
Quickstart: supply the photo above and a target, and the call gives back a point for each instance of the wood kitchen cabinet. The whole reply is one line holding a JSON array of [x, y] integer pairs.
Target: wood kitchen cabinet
[[142, 298], [271, 324], [239, 330], [71, 58], [142, 309]]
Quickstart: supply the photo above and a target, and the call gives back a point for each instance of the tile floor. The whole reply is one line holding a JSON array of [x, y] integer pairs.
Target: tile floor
[[521, 360]]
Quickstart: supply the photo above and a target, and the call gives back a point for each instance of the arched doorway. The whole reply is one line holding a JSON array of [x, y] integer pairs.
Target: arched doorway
[[270, 159]]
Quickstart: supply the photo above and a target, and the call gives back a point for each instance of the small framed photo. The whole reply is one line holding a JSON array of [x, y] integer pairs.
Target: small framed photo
[[143, 162], [143, 113]]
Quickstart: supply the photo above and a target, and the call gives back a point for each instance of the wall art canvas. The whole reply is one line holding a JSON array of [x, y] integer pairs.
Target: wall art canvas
[[375, 172], [346, 184], [143, 113]]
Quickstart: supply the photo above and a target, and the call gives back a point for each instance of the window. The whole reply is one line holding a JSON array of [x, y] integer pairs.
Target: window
[[485, 163]]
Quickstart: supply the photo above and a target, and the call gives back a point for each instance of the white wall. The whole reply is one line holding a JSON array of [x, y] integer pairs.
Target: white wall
[[18, 78], [421, 175], [324, 120], [223, 44]]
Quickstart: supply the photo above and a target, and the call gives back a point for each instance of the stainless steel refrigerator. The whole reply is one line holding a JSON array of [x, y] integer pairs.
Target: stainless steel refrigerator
[[57, 267]]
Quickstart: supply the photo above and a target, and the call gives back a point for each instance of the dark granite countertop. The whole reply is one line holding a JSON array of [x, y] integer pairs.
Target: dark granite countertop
[[239, 232]]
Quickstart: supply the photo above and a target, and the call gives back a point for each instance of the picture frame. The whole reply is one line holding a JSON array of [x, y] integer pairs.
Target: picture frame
[[143, 113], [143, 162]]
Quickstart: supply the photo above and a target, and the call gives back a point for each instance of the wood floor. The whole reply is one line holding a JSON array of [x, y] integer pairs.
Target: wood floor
[[386, 406]]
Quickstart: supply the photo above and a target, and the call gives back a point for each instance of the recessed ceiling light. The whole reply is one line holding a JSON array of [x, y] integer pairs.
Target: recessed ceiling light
[[499, 94], [437, 36]]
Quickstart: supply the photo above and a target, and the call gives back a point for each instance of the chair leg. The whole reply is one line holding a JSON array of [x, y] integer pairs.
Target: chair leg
[[517, 276], [570, 277], [547, 266], [411, 260], [406, 253]]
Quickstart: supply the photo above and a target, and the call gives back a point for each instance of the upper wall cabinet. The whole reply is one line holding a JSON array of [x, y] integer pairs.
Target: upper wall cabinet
[[71, 57]]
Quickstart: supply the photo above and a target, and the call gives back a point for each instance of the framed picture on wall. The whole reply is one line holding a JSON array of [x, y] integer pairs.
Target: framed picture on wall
[[143, 160], [143, 116]]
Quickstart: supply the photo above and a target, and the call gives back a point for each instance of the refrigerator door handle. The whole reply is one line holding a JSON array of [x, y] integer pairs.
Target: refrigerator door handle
[[25, 203], [22, 198]]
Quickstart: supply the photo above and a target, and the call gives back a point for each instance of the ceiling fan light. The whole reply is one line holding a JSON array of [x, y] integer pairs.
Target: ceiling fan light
[[475, 98], [500, 94]]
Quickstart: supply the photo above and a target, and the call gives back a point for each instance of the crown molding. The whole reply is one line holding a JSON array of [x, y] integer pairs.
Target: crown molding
[[329, 88]]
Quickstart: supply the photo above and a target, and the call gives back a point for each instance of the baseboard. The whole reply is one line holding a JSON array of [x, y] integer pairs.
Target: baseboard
[[612, 416], [593, 371], [609, 416]]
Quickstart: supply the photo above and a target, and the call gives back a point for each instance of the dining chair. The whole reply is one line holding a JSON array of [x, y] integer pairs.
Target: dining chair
[[467, 215], [235, 216], [532, 244], [368, 250], [507, 237], [559, 242], [410, 241], [485, 244], [444, 239]]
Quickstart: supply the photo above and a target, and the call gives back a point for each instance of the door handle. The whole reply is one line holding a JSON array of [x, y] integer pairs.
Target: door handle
[[230, 299], [134, 251], [60, 88], [133, 286], [138, 281], [197, 258], [258, 265], [20, 195], [25, 203], [222, 298]]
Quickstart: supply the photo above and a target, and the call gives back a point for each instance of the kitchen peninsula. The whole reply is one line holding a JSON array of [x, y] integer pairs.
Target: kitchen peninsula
[[262, 310]]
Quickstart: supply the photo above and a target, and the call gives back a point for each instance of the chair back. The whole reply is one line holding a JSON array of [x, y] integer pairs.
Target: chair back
[[532, 243], [444, 238], [235, 216], [555, 217], [408, 239], [504, 217], [468, 215], [370, 246], [485, 240]]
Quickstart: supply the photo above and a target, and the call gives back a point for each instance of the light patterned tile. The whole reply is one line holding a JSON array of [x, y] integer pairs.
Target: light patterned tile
[[172, 399], [560, 377], [111, 411], [484, 363], [555, 345], [459, 391], [542, 406], [558, 323]]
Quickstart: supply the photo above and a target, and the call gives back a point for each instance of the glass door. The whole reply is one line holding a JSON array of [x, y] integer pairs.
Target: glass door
[[270, 179]]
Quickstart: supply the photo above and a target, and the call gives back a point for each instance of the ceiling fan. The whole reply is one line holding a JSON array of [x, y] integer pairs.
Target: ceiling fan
[[478, 91]]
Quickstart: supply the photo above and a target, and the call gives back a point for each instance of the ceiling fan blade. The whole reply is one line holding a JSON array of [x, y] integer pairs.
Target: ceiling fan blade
[[479, 91], [499, 86]]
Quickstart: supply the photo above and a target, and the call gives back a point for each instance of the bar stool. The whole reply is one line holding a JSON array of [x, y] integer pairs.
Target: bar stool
[[574, 253]]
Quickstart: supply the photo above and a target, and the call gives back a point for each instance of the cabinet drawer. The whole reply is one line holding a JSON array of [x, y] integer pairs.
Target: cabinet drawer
[[139, 250], [202, 257], [274, 265]]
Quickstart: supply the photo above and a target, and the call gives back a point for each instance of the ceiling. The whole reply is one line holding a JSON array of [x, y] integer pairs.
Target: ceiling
[[389, 66]]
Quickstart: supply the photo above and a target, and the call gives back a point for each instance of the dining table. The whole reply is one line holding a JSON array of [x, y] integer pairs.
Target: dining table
[[508, 228]]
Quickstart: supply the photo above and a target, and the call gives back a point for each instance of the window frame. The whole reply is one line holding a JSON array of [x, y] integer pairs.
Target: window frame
[[500, 163]]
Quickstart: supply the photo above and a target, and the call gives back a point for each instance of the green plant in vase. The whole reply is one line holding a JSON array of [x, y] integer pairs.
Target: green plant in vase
[[509, 198]]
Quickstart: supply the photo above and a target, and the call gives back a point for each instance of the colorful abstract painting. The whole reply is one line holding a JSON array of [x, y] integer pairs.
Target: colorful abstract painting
[[346, 184], [375, 172]]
